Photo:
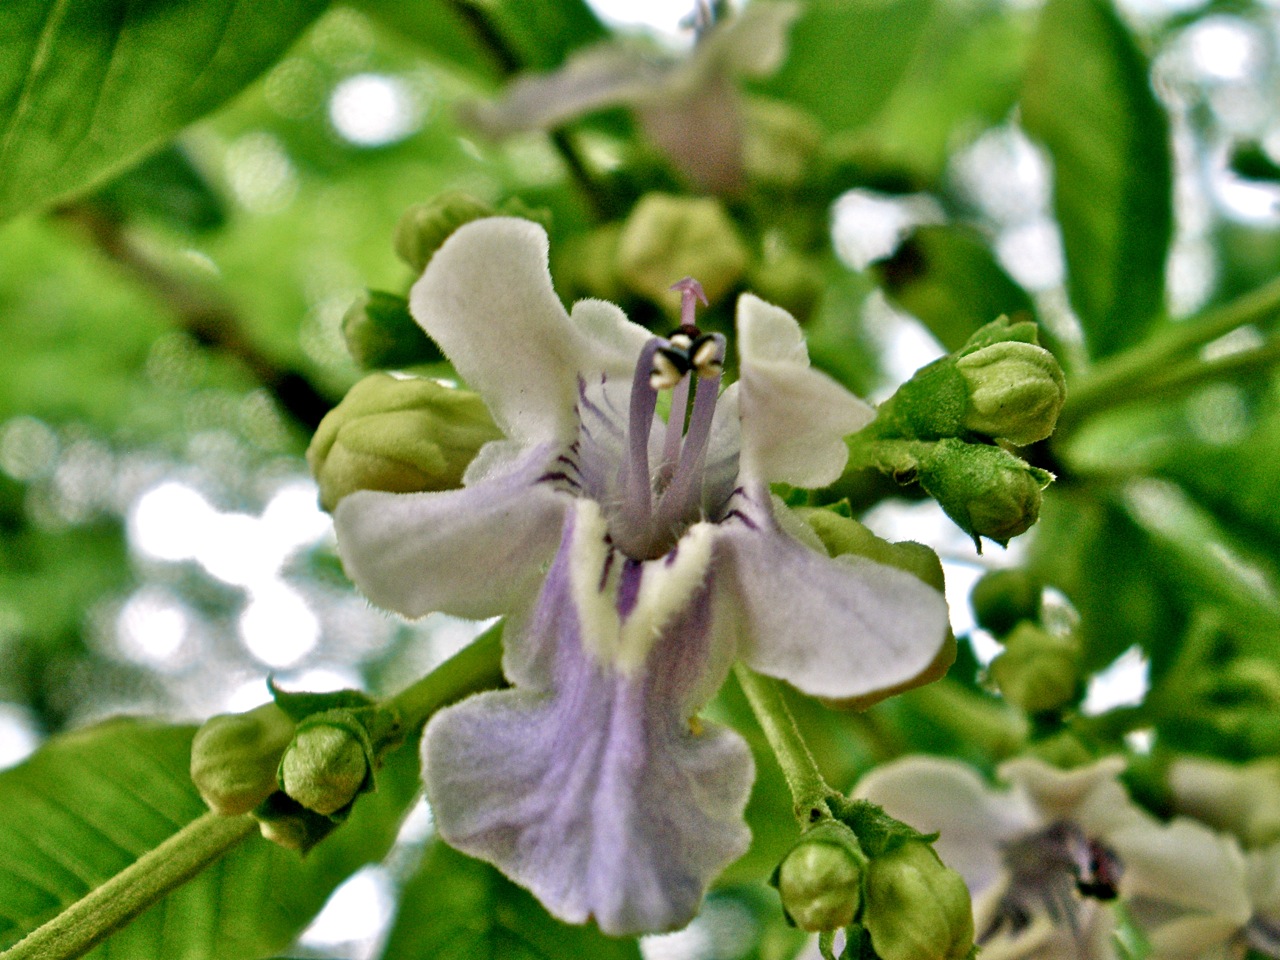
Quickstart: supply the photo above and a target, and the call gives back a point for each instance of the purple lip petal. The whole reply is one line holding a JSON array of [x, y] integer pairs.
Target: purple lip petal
[[588, 786]]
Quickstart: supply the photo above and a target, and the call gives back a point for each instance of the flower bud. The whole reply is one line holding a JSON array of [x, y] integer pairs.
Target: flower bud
[[1016, 391], [234, 758], [668, 237], [1002, 599], [424, 227], [986, 490], [820, 880], [325, 767], [1037, 671], [792, 281], [779, 142], [916, 907], [399, 434], [288, 824], [381, 333]]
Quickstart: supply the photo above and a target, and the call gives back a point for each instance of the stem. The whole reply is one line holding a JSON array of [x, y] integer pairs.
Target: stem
[[1112, 379], [509, 62], [476, 667], [150, 878], [808, 789], [210, 322], [1192, 373], [159, 872]]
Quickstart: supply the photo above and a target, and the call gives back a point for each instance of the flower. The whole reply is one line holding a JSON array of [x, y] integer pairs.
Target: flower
[[1037, 858], [689, 109], [635, 559], [1044, 859]]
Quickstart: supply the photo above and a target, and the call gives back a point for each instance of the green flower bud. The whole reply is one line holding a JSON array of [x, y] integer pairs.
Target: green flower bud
[[234, 758], [820, 880], [986, 490], [585, 265], [425, 226], [1003, 598], [1037, 671], [325, 767], [916, 907], [668, 237], [399, 434], [779, 142], [792, 281], [288, 824], [381, 333], [1016, 391]]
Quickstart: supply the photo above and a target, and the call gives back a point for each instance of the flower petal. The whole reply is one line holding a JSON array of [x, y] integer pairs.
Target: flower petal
[[592, 788], [973, 820], [486, 298], [1091, 796], [1186, 882], [836, 628], [794, 418], [474, 552]]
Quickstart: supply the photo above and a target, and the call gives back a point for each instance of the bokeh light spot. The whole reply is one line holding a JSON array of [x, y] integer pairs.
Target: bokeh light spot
[[373, 110]]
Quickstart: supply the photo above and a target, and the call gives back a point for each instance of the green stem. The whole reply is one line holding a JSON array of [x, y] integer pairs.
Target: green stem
[[156, 874], [808, 790], [1193, 373], [1113, 379], [476, 667], [509, 63], [153, 876]]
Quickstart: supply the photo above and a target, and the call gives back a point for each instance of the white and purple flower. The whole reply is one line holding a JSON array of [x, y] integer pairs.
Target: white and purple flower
[[636, 559]]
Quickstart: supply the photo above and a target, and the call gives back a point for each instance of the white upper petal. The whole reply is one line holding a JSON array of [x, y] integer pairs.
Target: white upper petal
[[486, 297], [794, 418]]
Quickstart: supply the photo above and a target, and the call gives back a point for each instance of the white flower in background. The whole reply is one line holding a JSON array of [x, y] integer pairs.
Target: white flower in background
[[1036, 857]]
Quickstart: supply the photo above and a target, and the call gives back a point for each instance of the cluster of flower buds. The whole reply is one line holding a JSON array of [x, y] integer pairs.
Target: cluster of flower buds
[[949, 427], [879, 880], [297, 764]]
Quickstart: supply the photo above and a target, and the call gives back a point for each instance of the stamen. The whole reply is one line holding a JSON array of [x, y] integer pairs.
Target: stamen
[[644, 400], [681, 497], [675, 429]]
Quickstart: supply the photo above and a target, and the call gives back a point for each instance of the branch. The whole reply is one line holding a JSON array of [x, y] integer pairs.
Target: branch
[[210, 322]]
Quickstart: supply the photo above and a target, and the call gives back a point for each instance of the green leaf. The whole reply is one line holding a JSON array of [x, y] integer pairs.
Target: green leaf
[[1088, 99], [87, 87], [166, 187], [88, 804], [846, 56], [456, 908], [964, 78], [466, 35], [948, 277]]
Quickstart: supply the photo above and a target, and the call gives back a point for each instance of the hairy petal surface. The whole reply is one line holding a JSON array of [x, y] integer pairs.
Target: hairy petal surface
[[794, 418], [486, 297], [589, 785], [836, 628], [474, 552]]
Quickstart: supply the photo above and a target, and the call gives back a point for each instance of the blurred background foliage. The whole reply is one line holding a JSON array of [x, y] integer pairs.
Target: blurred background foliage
[[179, 250]]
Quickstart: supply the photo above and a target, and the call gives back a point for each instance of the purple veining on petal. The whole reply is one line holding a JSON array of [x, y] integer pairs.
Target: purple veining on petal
[[608, 567], [590, 787], [587, 404], [629, 586]]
